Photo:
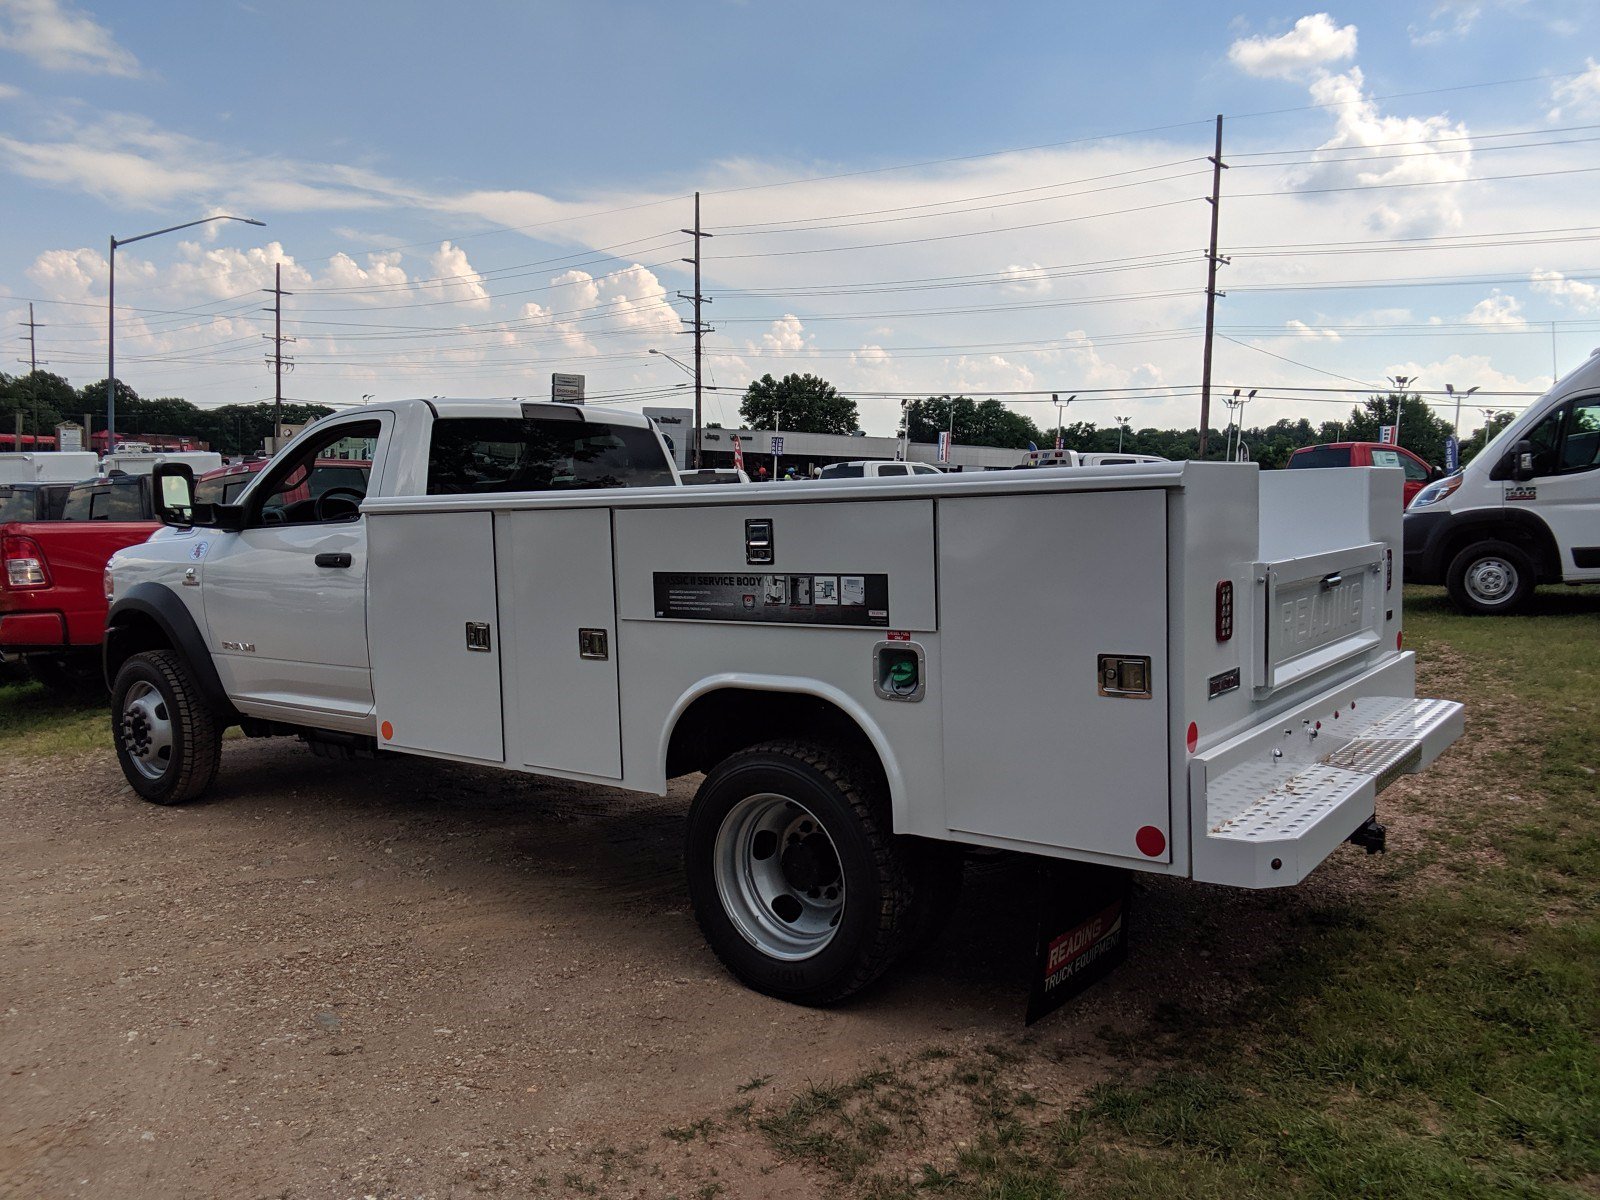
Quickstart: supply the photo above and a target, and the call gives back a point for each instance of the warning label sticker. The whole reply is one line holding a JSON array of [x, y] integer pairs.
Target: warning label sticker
[[773, 599]]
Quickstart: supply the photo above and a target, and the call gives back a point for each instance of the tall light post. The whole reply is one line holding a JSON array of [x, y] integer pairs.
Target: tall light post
[[1122, 428], [111, 313], [1401, 382], [1458, 397], [1061, 408]]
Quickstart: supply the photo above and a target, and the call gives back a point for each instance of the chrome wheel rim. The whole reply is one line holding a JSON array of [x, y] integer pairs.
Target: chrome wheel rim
[[147, 730], [1491, 580], [778, 876]]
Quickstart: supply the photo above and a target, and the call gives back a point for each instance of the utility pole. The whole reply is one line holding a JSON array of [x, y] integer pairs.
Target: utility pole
[[33, 328], [275, 361], [1212, 262], [700, 327]]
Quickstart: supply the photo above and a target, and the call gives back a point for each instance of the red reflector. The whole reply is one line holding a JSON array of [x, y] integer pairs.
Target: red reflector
[[1193, 737], [1400, 640], [1224, 610], [1151, 841]]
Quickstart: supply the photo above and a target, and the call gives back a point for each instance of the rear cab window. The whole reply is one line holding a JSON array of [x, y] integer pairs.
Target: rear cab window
[[476, 455], [106, 500], [18, 503], [1327, 456]]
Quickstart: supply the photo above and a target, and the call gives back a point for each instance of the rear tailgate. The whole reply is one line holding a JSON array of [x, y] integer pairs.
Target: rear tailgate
[[1316, 611], [75, 554]]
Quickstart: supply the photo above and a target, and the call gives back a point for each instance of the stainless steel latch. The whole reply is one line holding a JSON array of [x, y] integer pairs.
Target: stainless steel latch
[[592, 643], [759, 549], [478, 636]]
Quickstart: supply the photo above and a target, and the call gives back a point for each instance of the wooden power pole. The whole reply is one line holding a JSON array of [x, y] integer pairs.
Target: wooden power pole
[[1213, 260]]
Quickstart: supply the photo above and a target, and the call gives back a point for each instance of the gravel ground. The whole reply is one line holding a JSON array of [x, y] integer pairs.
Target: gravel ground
[[407, 978]]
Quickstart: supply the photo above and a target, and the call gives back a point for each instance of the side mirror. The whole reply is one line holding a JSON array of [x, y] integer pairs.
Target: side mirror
[[172, 494], [1522, 466]]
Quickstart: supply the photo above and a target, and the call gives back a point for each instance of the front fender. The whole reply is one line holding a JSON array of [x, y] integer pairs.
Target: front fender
[[150, 606]]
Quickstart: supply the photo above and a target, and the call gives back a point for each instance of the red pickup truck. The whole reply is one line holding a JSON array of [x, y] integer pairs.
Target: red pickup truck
[[1368, 454], [52, 591]]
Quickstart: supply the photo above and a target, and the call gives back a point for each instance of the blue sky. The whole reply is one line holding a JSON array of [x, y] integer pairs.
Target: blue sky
[[468, 197]]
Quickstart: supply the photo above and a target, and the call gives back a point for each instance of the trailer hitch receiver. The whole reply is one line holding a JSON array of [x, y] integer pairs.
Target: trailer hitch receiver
[[1371, 837]]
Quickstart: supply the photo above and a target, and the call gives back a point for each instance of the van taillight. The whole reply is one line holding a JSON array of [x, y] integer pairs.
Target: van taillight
[[25, 564]]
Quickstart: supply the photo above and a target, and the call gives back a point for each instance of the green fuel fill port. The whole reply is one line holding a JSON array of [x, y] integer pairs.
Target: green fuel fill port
[[897, 671]]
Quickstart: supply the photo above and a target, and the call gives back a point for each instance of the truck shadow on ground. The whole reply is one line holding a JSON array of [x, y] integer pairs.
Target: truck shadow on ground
[[591, 858]]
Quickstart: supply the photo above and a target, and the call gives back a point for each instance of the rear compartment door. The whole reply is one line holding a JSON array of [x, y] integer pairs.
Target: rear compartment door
[[559, 641], [1032, 591]]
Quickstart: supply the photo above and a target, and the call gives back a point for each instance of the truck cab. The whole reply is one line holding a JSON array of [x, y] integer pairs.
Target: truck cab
[[1525, 511]]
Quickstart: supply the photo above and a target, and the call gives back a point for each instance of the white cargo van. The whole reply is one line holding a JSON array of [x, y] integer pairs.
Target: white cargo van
[[1525, 511]]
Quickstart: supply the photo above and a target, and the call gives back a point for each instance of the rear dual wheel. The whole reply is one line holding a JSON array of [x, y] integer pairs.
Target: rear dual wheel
[[797, 880]]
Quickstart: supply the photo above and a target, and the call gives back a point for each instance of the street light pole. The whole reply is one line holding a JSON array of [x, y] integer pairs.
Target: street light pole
[[1061, 408], [1459, 397], [1122, 428], [1401, 382], [111, 312]]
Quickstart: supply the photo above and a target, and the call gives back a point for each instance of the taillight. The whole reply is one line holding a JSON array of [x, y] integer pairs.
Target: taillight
[[25, 563], [1224, 610], [1388, 569]]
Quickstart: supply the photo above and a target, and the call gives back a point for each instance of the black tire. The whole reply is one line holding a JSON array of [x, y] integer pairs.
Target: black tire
[[877, 872], [156, 691], [1488, 578]]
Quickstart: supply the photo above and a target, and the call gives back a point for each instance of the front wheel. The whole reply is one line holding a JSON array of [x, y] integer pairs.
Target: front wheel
[[797, 881], [168, 739], [1489, 578]]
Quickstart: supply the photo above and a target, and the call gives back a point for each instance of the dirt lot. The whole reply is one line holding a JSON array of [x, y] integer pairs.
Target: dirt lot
[[411, 979]]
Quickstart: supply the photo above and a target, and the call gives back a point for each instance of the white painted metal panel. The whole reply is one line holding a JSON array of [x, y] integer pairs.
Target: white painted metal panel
[[1033, 589], [430, 575], [561, 708]]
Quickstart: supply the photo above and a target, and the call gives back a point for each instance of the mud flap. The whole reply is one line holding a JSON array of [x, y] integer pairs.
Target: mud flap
[[1082, 931]]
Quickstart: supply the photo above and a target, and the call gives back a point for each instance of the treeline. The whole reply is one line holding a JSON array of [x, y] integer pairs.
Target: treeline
[[808, 404], [46, 400]]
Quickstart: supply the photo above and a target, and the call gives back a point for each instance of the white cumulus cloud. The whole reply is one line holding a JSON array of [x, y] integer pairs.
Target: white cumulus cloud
[[1498, 309], [1585, 297], [1308, 48], [57, 37], [1578, 97], [454, 279]]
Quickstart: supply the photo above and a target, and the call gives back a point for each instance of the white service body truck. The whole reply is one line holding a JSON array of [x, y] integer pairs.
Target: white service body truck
[[1524, 511], [1189, 669]]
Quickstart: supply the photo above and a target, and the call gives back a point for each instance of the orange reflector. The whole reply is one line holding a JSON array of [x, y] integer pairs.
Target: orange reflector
[[387, 730]]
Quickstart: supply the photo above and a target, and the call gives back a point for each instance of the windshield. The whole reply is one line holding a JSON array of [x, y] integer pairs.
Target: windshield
[[471, 455]]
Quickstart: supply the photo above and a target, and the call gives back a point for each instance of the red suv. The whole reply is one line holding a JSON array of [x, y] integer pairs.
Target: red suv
[[1367, 454]]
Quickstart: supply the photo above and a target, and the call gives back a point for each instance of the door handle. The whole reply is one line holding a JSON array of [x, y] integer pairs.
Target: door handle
[[333, 560]]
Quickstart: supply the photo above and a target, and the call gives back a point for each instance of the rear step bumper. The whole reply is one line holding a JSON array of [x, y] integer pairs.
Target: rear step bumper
[[1271, 804]]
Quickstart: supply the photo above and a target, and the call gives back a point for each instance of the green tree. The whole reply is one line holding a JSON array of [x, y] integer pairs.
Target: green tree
[[44, 400], [798, 403], [976, 423], [1474, 445]]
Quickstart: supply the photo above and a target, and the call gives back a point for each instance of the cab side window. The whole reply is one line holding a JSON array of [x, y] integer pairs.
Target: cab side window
[[1546, 437], [325, 481], [1414, 470], [1580, 446]]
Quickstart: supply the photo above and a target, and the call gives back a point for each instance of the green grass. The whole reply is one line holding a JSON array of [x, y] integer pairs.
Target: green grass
[[36, 723], [1439, 1038]]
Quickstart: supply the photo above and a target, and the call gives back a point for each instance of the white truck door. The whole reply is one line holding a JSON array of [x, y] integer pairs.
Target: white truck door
[[433, 622], [1566, 488], [285, 598], [559, 641], [1032, 591]]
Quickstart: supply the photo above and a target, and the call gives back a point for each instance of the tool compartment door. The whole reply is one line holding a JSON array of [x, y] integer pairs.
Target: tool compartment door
[[1032, 591], [560, 641], [436, 683]]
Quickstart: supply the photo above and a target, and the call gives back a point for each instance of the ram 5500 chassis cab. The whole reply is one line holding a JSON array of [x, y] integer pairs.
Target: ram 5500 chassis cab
[[1189, 669]]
